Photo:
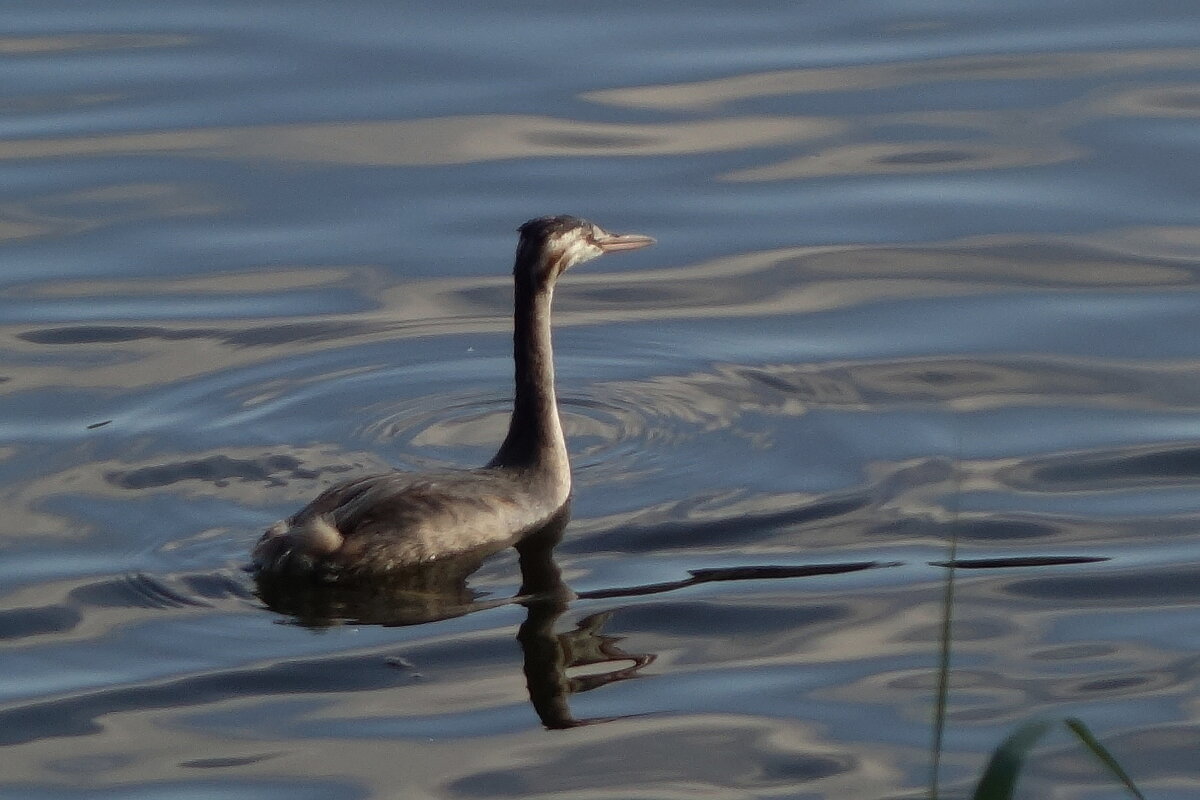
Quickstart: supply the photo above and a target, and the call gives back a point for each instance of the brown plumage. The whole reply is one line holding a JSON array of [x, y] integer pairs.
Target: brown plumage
[[382, 523]]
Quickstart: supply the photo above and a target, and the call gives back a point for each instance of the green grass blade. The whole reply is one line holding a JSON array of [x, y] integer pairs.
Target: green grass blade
[[1002, 771], [1101, 752], [943, 675], [943, 679]]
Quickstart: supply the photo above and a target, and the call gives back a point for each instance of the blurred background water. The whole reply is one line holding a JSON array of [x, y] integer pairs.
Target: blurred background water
[[925, 270]]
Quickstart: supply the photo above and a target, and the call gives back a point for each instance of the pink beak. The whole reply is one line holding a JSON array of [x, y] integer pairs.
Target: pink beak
[[612, 242]]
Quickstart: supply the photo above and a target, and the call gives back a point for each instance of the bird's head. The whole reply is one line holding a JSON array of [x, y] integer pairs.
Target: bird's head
[[549, 246]]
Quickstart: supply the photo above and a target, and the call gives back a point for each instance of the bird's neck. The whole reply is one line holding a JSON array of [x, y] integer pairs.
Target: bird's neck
[[535, 437]]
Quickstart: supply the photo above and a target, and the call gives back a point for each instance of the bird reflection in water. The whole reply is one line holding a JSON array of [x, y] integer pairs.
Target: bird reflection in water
[[548, 655], [439, 590]]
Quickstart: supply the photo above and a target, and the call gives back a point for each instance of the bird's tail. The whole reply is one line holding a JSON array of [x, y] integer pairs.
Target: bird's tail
[[296, 547]]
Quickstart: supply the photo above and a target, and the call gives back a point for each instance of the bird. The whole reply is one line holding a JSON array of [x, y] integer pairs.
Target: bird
[[369, 527]]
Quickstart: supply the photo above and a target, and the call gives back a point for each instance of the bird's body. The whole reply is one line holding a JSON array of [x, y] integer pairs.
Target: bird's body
[[384, 523]]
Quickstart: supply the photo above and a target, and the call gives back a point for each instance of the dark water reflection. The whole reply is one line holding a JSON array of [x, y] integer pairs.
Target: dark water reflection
[[923, 272], [439, 591]]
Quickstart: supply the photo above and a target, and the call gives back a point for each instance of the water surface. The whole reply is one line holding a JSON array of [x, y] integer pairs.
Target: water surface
[[925, 272]]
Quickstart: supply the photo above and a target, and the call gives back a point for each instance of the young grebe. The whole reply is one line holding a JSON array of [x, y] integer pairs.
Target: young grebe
[[373, 525]]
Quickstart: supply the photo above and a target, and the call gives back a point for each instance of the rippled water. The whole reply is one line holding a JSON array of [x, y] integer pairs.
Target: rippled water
[[926, 271]]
